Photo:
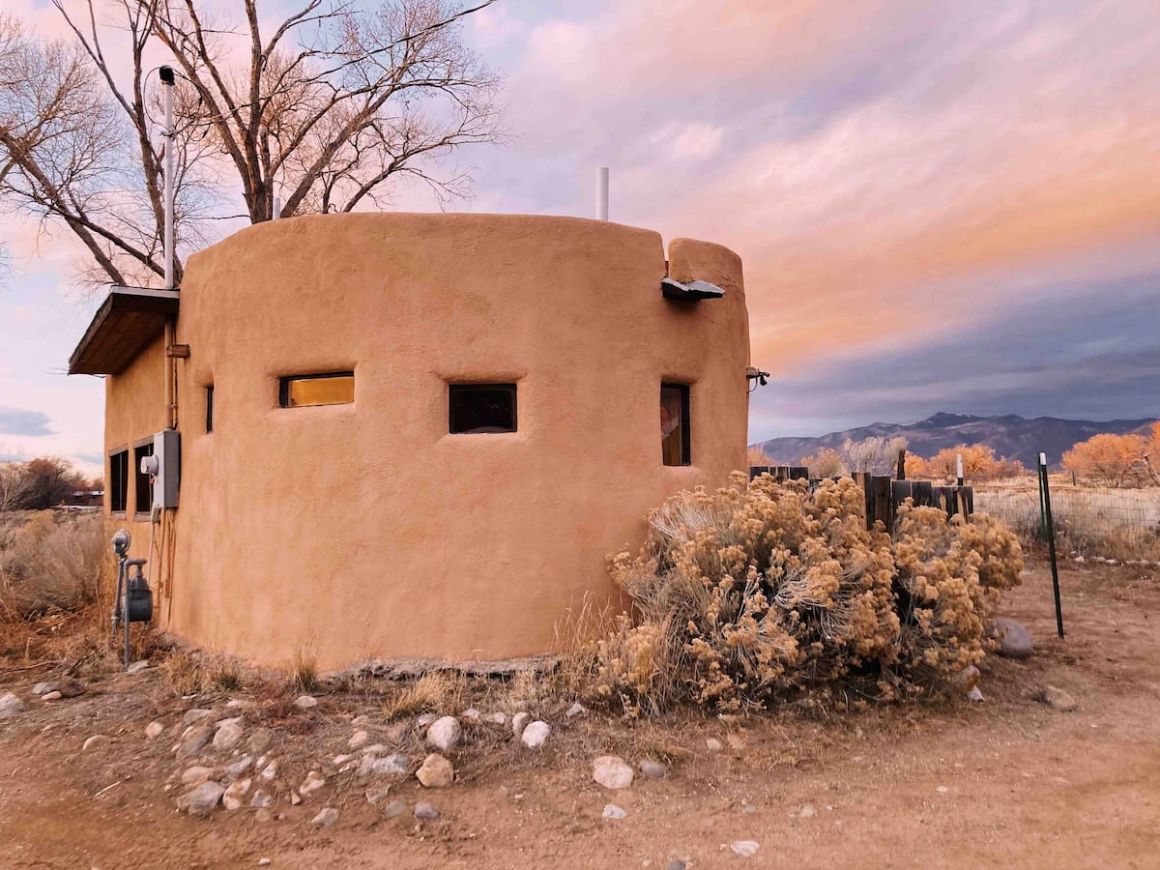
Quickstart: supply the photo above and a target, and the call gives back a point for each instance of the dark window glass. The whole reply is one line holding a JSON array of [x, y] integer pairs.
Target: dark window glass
[[118, 480], [676, 437], [482, 408], [209, 408], [143, 482], [330, 388]]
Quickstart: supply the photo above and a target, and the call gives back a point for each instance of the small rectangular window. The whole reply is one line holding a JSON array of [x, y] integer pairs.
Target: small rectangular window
[[118, 480], [143, 497], [482, 408], [331, 388], [676, 435], [209, 408]]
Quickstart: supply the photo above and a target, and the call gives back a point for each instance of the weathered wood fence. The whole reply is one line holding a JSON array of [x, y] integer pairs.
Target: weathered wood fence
[[884, 494]]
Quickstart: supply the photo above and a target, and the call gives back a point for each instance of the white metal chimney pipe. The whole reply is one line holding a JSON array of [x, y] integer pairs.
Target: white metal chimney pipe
[[167, 89], [602, 194]]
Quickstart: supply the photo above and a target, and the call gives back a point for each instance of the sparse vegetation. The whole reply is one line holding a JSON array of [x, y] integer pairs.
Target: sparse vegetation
[[756, 592], [49, 562]]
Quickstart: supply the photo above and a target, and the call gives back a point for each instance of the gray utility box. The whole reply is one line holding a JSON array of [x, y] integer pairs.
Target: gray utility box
[[167, 449]]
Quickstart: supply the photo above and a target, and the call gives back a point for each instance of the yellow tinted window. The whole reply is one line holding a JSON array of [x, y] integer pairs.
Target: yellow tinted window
[[335, 389]]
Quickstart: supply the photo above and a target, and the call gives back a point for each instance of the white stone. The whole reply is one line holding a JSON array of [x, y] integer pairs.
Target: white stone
[[1057, 699], [744, 848], [358, 740], [10, 705], [95, 742], [471, 714], [51, 696], [392, 765], [519, 723], [264, 862], [611, 771], [195, 715], [232, 720], [261, 799], [196, 775], [326, 817], [270, 770], [41, 688], [436, 772], [535, 734], [232, 798], [137, 666], [201, 800], [713, 745], [373, 749], [426, 812], [426, 719], [239, 704], [975, 694], [236, 768], [496, 718], [313, 782], [154, 730], [305, 702], [445, 733], [653, 769], [807, 811], [340, 760], [612, 811], [576, 709], [227, 737]]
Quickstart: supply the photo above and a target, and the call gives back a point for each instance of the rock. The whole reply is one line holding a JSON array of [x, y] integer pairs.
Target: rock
[[677, 864], [313, 782], [227, 737], [373, 749], [376, 794], [195, 740], [295, 798], [610, 771], [612, 811], [394, 809], [519, 723], [1111, 561], [358, 740], [326, 817], [653, 769], [359, 721], [1057, 699], [264, 862], [392, 765], [436, 772], [137, 666], [975, 695], [97, 741], [231, 720], [269, 770], [201, 800], [239, 704], [425, 720], [575, 710], [496, 718], [154, 730], [744, 848], [66, 688], [471, 714], [445, 733], [713, 744], [260, 741], [306, 702], [1079, 559], [263, 815], [807, 812], [535, 734], [236, 768], [232, 798], [41, 688], [197, 714], [10, 705], [196, 775], [261, 799], [340, 760], [1014, 640], [426, 812], [51, 696]]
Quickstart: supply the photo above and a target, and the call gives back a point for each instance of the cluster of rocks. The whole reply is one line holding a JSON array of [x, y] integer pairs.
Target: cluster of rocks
[[1100, 560]]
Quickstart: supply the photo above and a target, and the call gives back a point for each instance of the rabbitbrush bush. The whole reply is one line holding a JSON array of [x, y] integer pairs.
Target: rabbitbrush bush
[[765, 590]]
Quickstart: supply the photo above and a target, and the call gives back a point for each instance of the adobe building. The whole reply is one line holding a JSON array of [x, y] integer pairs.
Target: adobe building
[[413, 435]]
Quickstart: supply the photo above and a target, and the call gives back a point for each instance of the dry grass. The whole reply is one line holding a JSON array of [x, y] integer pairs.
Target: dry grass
[[49, 562], [1093, 521], [430, 693]]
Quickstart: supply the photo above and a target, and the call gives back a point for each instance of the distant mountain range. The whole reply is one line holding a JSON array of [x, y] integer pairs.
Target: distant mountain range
[[1010, 436]]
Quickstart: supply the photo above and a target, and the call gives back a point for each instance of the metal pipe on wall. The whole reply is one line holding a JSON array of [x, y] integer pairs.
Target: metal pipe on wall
[[602, 194]]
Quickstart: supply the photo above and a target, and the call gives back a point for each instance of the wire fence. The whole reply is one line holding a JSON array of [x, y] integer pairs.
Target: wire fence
[[1122, 524]]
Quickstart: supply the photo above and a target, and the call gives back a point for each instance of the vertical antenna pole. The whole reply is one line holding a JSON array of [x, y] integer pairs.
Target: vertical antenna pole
[[602, 194], [167, 90]]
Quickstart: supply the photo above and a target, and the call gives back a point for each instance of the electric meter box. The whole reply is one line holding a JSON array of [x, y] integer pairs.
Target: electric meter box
[[167, 449]]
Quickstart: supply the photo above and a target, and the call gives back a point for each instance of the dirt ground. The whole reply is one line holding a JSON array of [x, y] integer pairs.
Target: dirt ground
[[1005, 782]]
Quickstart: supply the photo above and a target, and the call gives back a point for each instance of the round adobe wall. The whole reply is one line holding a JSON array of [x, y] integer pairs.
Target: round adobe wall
[[361, 531]]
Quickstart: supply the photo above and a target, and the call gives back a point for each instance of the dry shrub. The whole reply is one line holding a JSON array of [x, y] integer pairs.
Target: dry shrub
[[49, 561], [432, 692], [761, 591], [303, 673], [190, 672]]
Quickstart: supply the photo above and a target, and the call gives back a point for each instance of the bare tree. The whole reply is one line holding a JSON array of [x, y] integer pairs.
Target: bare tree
[[876, 455], [322, 112]]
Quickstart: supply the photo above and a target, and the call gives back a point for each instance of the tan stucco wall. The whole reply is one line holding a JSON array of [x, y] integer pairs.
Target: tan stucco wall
[[359, 531]]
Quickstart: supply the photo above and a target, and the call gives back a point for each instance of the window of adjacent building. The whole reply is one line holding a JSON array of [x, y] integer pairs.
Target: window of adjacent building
[[118, 480], [143, 497], [209, 408], [482, 408], [331, 388], [676, 435]]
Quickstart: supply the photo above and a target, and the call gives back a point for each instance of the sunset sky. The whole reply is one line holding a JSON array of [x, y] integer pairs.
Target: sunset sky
[[940, 206]]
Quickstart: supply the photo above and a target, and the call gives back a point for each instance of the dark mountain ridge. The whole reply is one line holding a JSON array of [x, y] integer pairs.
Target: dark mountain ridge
[[1009, 435]]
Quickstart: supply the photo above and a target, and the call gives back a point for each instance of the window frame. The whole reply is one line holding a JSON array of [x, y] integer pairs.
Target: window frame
[[284, 382], [686, 393], [208, 409], [141, 449], [118, 483], [455, 388]]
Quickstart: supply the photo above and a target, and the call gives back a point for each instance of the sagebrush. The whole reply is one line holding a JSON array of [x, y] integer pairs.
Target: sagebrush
[[764, 590], [49, 561]]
